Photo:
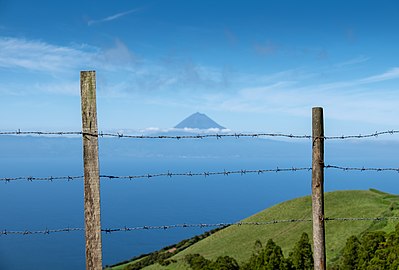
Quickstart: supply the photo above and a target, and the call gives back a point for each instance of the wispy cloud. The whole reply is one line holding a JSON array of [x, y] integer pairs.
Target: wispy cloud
[[54, 69], [38, 56], [112, 17], [388, 75], [184, 83], [118, 55], [41, 56], [123, 73], [354, 61], [363, 100], [358, 100]]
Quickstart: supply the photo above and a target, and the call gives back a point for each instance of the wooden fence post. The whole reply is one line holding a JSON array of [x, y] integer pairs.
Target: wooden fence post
[[91, 171], [319, 246]]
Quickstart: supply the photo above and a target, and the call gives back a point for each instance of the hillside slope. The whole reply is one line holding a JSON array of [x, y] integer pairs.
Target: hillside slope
[[238, 241]]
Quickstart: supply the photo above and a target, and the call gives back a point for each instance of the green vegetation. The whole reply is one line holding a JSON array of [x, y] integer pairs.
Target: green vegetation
[[238, 241], [198, 262], [161, 257], [302, 256], [268, 258], [372, 250]]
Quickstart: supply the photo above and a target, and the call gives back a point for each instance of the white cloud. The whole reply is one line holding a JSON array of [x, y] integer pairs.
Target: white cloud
[[33, 55], [120, 72], [60, 87], [388, 75], [116, 58], [290, 94], [41, 56], [351, 62], [51, 68], [183, 83], [360, 100], [112, 17]]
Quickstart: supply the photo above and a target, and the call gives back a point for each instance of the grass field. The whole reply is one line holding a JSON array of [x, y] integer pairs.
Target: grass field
[[238, 241]]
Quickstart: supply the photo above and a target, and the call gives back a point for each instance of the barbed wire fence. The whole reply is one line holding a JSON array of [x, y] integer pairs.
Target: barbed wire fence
[[195, 225], [195, 174], [320, 169], [169, 174], [199, 136]]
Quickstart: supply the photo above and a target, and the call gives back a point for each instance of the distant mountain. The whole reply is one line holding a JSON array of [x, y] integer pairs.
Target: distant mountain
[[200, 121]]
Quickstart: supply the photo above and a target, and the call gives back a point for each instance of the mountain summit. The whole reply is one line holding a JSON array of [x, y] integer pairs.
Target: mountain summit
[[200, 121]]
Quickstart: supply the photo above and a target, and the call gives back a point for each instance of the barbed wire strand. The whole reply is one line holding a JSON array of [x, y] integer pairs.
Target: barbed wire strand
[[199, 136], [167, 174], [362, 169], [60, 133], [198, 225], [192, 174], [49, 178], [206, 174]]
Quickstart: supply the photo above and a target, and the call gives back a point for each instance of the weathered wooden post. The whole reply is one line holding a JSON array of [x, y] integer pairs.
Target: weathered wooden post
[[319, 246], [91, 171]]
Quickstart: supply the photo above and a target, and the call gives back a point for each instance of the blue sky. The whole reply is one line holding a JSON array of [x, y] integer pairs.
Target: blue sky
[[249, 65]]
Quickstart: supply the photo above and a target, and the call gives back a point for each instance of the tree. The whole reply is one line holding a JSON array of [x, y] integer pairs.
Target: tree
[[302, 256], [197, 262], [371, 242], [257, 247], [269, 258], [351, 254], [386, 255], [225, 263]]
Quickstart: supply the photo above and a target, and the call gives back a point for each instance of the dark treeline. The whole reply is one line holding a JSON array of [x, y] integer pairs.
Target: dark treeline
[[369, 251], [163, 256], [269, 257], [375, 250]]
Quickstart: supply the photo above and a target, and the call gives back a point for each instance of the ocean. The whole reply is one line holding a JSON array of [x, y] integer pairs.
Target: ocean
[[40, 205]]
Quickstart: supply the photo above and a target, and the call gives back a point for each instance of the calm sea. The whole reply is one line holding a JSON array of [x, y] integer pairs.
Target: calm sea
[[155, 201]]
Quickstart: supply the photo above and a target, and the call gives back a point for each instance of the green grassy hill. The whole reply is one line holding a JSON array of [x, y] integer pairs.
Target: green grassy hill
[[238, 241]]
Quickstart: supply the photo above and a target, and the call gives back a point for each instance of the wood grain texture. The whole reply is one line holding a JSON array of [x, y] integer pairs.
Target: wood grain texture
[[319, 244], [91, 171]]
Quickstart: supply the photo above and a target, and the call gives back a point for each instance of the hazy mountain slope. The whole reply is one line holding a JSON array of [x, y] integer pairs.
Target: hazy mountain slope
[[199, 121]]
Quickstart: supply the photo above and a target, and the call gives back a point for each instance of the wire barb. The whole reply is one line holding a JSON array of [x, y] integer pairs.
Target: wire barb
[[149, 175], [361, 169], [170, 174], [198, 136], [196, 225]]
